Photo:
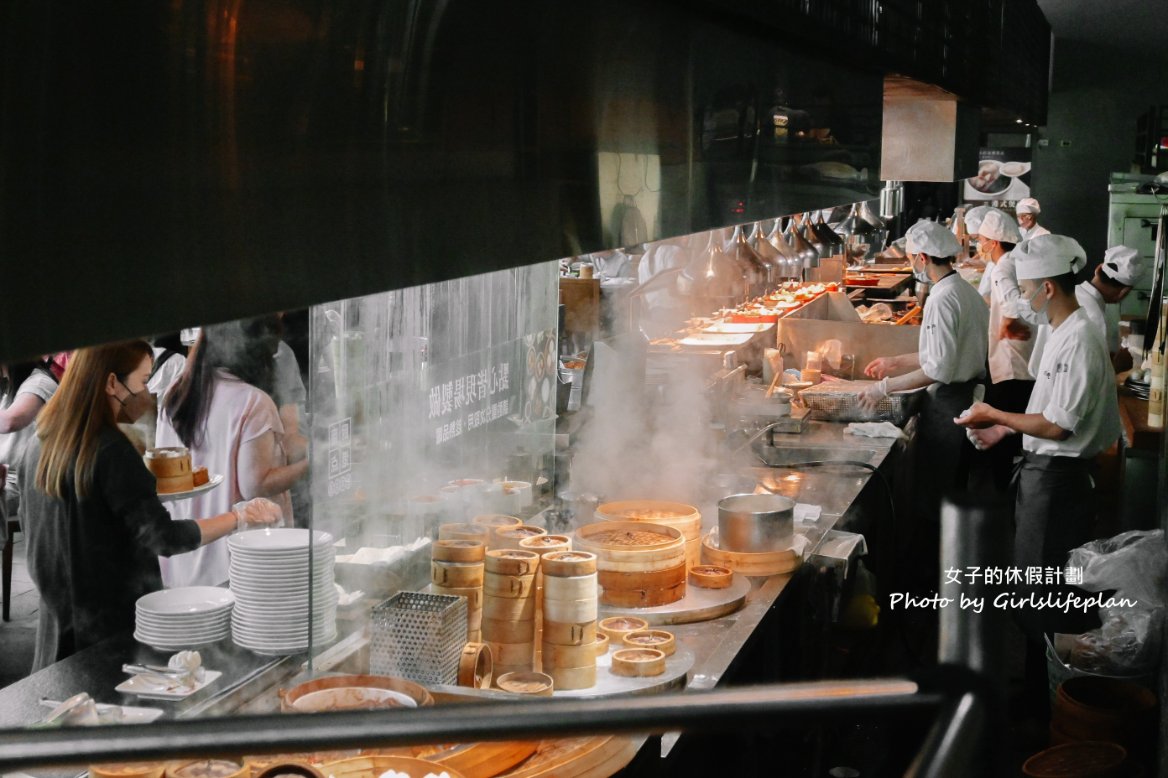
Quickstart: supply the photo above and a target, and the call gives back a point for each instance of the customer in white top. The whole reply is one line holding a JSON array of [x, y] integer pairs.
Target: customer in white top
[[1121, 269], [1073, 415], [232, 427], [1028, 210], [951, 363], [24, 390]]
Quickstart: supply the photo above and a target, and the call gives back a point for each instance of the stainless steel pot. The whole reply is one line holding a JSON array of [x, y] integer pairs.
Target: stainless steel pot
[[755, 523]]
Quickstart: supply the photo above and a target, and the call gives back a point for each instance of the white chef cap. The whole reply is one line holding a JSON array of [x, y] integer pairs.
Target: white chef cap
[[973, 218], [998, 225], [926, 237], [1123, 265], [1028, 205], [1048, 256]]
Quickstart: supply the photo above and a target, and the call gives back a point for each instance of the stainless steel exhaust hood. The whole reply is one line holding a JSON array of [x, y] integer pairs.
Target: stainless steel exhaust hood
[[928, 133]]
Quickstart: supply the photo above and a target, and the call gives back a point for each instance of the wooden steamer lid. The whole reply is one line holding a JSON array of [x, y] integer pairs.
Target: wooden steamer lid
[[568, 564], [475, 666], [464, 532], [496, 520], [711, 577], [512, 561], [509, 537], [601, 644], [458, 550], [683, 517], [638, 662], [532, 683], [616, 627], [546, 544], [631, 546], [659, 639]]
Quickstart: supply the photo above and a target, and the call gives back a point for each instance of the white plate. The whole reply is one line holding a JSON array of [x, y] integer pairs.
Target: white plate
[[715, 339], [177, 645], [732, 328], [144, 687], [186, 600], [268, 541], [214, 481], [277, 649]]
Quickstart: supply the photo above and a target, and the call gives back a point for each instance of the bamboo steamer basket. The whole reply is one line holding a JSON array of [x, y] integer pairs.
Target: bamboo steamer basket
[[642, 590], [501, 670], [512, 654], [457, 575], [207, 768], [374, 766], [685, 518], [508, 631], [659, 639], [476, 666], [458, 551], [569, 634], [616, 627], [508, 586], [495, 521], [568, 678], [764, 563], [591, 757], [638, 662], [463, 531], [568, 564], [511, 561], [508, 608], [287, 768], [555, 655], [571, 611], [576, 587], [289, 698], [632, 547], [643, 598], [526, 682], [601, 644], [546, 544], [711, 577], [128, 770], [509, 537], [473, 594]]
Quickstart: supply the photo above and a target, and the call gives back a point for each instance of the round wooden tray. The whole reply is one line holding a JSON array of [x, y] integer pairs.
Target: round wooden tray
[[697, 605], [754, 564]]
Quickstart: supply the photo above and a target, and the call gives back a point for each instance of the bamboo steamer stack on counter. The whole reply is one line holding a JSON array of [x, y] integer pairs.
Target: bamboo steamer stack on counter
[[640, 564], [510, 537], [542, 544], [508, 624], [570, 610], [492, 522], [457, 568], [684, 518]]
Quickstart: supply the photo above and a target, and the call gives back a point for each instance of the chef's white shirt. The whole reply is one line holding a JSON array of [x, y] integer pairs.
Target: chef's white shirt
[[1008, 359], [1033, 232], [953, 335], [1075, 389], [1092, 304]]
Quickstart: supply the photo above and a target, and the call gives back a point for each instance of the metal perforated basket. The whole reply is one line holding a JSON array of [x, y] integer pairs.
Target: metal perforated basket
[[418, 636], [840, 401]]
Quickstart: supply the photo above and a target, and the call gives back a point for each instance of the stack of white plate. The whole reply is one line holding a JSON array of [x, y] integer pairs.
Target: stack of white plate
[[271, 579], [174, 619]]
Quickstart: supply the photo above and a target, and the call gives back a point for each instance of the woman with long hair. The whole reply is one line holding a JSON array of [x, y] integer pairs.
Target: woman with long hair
[[221, 409], [95, 524]]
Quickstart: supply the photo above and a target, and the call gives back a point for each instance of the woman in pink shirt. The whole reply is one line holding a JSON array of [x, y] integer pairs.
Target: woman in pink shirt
[[221, 409]]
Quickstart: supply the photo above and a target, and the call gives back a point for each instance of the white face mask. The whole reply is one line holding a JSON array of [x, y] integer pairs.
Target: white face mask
[[1038, 315]]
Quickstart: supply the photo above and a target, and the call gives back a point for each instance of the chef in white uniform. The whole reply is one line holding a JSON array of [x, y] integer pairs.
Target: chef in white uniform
[[951, 363], [1028, 210], [1073, 415], [1011, 339], [973, 219], [1121, 269]]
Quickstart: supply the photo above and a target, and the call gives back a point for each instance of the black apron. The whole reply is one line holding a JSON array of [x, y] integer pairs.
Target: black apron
[[942, 452], [1054, 508]]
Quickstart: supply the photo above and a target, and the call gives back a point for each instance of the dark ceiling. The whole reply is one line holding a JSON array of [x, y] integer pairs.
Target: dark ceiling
[[1141, 25]]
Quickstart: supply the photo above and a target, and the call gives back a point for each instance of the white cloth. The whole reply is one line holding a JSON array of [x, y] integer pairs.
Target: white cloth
[[239, 414], [1123, 265], [953, 341], [1048, 256], [1000, 226], [1008, 359], [39, 384], [986, 285], [1092, 304], [875, 429], [1033, 232], [1075, 389], [926, 237], [165, 376]]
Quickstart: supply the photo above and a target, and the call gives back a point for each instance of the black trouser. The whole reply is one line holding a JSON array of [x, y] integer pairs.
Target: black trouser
[[1054, 507]]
